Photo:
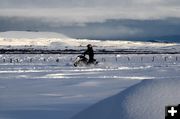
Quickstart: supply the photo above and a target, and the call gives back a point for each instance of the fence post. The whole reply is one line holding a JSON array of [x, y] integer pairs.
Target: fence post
[[153, 59], [17, 60], [128, 59], [116, 58], [11, 60], [30, 60], [57, 60], [103, 59]]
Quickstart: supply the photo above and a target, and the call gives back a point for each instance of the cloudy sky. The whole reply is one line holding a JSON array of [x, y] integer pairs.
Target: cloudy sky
[[102, 19]]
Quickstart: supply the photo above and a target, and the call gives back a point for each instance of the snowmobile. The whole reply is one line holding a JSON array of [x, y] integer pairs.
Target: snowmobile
[[81, 60]]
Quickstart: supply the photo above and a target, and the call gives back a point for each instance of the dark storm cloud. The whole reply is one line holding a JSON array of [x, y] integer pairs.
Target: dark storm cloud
[[110, 29], [93, 18]]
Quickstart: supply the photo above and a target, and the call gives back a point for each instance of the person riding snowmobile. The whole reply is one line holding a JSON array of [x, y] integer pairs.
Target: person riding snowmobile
[[90, 52], [81, 60]]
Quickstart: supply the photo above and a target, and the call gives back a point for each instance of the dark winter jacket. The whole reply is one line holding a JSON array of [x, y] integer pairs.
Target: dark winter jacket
[[90, 52]]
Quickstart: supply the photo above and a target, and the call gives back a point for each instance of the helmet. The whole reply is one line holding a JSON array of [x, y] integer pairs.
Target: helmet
[[89, 46]]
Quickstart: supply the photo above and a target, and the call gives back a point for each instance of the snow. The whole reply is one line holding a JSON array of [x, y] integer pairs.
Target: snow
[[58, 41], [39, 86], [21, 38], [145, 100], [49, 89]]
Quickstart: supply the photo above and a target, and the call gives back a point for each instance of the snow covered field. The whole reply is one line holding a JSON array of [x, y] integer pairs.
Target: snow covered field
[[49, 87]]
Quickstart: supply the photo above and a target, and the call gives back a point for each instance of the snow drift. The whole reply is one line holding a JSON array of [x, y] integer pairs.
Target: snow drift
[[146, 100], [57, 40]]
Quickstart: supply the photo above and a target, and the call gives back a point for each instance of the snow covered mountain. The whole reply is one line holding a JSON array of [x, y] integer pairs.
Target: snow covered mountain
[[49, 40]]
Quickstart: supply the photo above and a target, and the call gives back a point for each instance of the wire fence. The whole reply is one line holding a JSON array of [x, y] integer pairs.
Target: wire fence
[[63, 59]]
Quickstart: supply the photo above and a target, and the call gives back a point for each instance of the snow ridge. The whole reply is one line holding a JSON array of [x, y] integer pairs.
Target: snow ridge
[[146, 100]]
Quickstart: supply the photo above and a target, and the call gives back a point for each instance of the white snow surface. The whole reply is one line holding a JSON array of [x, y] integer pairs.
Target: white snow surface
[[48, 86], [38, 87], [146, 100], [58, 41]]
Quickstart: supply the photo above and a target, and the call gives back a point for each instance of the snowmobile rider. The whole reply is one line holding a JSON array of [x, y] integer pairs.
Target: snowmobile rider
[[90, 52]]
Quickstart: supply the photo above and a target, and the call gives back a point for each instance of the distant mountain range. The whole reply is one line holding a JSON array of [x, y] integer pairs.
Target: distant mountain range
[[157, 39], [165, 39], [51, 40]]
